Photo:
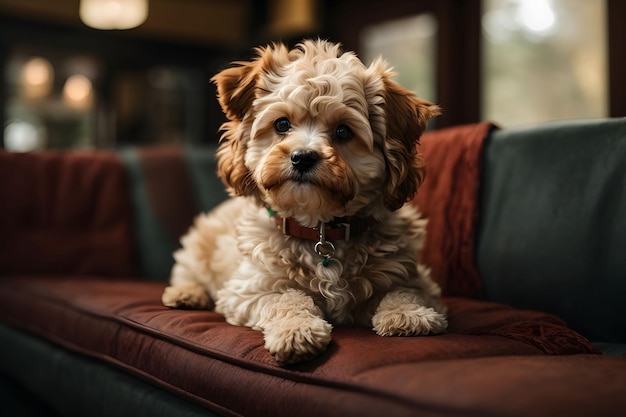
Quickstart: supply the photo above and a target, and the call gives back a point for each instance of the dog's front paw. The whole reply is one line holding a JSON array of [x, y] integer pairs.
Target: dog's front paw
[[186, 296], [297, 339], [409, 320]]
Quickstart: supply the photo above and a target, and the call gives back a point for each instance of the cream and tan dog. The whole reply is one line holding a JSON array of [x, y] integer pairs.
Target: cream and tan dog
[[320, 155]]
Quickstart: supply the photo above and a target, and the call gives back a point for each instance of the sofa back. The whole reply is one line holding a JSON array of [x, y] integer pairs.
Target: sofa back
[[552, 231], [169, 186], [65, 213], [113, 214]]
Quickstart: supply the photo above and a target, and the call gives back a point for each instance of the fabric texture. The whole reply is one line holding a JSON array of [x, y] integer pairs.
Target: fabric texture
[[70, 384], [169, 189], [65, 213], [449, 198], [202, 166], [124, 324], [552, 235], [169, 186]]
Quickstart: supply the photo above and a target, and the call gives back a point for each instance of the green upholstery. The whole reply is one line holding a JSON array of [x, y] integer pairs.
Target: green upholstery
[[552, 232], [209, 188], [69, 383], [154, 246], [169, 187]]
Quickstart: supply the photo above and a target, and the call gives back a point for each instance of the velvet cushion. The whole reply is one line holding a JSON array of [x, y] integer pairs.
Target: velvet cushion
[[65, 213], [196, 354]]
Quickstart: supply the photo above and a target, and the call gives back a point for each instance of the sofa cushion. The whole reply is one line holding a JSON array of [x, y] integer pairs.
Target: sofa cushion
[[553, 223], [198, 355], [65, 213]]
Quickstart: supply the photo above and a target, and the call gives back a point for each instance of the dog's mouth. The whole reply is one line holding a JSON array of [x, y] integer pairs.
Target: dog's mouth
[[303, 178], [297, 189], [305, 187], [294, 177]]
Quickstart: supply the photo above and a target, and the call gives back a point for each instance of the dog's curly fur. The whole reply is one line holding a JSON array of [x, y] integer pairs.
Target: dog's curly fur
[[363, 129]]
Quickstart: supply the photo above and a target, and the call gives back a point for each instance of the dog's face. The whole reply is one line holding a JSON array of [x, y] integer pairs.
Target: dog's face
[[315, 134]]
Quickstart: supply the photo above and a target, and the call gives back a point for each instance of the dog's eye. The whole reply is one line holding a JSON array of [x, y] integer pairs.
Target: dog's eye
[[343, 133], [282, 125]]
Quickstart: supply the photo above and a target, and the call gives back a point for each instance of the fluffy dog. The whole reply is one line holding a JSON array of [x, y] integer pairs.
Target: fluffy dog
[[320, 155]]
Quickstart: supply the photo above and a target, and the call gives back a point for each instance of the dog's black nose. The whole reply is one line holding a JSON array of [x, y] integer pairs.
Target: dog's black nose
[[303, 160]]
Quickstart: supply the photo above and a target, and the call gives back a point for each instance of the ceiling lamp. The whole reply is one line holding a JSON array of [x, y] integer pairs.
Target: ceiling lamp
[[37, 78], [113, 14]]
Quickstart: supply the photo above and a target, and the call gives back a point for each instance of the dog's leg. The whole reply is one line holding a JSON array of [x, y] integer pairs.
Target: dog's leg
[[292, 325], [185, 291], [208, 257], [293, 328], [403, 313], [192, 296]]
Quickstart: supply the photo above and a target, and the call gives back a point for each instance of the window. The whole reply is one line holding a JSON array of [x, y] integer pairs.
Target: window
[[544, 60], [394, 39]]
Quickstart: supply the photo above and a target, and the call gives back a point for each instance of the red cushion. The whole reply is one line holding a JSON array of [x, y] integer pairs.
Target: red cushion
[[65, 213], [195, 353]]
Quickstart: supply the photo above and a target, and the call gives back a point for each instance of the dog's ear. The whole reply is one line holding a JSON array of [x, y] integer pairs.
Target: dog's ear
[[236, 91], [406, 117], [231, 167], [236, 86]]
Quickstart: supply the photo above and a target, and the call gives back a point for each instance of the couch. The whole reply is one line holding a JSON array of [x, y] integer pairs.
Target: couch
[[526, 235]]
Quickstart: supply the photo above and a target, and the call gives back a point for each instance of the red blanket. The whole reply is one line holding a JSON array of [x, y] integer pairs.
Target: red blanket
[[449, 198]]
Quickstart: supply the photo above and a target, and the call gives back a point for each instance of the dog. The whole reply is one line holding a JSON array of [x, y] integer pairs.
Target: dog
[[320, 154]]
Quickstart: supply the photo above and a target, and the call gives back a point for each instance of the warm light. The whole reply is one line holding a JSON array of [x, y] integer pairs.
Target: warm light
[[113, 14], [288, 17], [77, 91], [37, 77]]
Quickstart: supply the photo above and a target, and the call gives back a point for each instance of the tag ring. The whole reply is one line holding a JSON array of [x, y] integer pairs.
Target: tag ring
[[325, 249]]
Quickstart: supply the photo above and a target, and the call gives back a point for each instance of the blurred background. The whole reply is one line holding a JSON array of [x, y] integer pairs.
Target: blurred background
[[110, 73]]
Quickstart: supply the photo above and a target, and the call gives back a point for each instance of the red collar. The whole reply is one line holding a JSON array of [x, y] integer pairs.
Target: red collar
[[341, 228]]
